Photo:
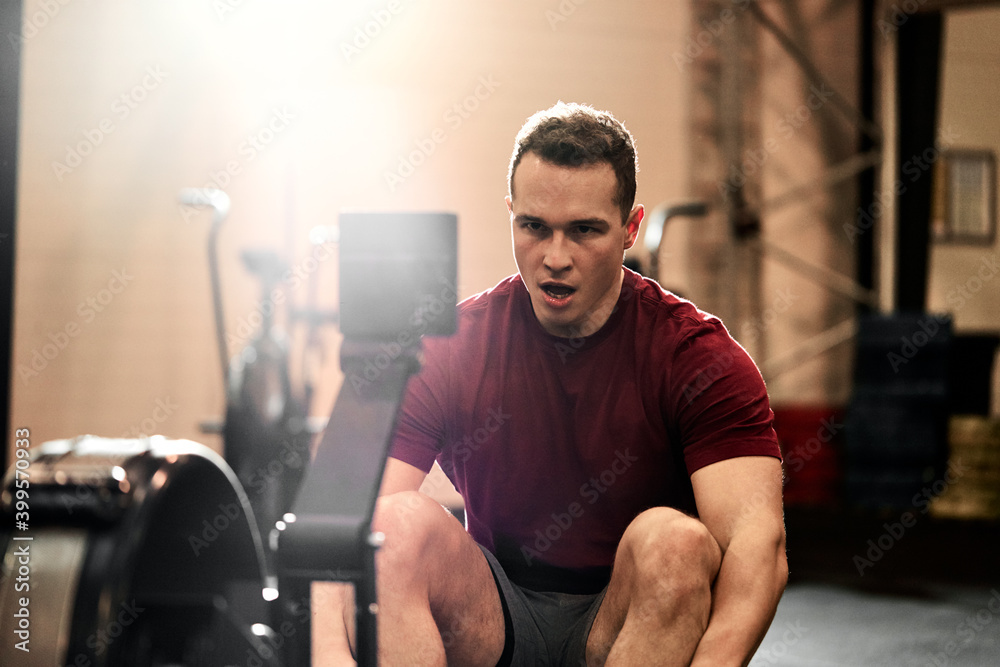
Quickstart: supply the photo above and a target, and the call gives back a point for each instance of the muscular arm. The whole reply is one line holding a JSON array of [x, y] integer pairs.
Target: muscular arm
[[739, 501]]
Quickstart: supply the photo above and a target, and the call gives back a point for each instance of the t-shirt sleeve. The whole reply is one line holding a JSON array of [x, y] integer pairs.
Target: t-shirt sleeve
[[720, 404], [420, 425]]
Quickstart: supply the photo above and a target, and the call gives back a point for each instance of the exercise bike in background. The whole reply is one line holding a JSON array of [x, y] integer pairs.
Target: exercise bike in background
[[265, 432], [149, 552]]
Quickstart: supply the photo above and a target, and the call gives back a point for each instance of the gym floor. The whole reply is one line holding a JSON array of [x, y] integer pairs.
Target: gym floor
[[866, 591]]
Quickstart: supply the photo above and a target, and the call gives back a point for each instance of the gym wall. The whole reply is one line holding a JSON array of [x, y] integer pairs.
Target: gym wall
[[297, 110]]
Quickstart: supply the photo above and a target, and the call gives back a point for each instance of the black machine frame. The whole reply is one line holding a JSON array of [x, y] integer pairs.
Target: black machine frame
[[398, 275]]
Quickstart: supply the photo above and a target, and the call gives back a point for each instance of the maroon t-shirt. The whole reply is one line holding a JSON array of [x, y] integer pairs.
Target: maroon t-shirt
[[556, 444]]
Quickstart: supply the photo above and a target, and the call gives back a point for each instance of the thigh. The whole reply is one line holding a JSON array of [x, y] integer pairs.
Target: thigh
[[428, 558]]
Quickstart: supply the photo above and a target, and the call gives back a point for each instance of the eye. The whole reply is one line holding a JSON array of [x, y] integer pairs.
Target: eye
[[533, 226]]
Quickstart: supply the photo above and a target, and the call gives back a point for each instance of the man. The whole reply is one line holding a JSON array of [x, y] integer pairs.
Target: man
[[612, 443]]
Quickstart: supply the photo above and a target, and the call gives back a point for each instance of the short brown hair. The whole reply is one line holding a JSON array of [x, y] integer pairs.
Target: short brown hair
[[575, 135]]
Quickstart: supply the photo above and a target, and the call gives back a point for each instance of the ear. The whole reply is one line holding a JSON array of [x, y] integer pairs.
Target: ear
[[510, 204], [632, 225]]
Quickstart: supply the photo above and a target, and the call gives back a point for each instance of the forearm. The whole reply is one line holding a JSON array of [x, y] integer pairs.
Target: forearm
[[746, 593]]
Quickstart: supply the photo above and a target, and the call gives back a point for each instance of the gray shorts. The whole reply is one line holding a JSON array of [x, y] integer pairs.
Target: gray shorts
[[543, 628]]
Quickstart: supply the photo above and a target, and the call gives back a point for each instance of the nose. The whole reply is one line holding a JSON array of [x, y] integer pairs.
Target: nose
[[557, 254]]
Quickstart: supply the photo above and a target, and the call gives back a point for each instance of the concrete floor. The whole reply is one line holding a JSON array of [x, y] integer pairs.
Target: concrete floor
[[825, 625], [930, 598]]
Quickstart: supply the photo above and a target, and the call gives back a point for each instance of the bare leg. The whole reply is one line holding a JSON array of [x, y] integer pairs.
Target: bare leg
[[437, 598], [659, 599], [332, 624]]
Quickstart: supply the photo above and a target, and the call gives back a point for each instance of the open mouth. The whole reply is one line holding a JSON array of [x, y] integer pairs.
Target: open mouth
[[557, 292]]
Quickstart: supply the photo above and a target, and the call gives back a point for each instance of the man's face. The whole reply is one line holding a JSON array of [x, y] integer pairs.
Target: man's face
[[569, 241]]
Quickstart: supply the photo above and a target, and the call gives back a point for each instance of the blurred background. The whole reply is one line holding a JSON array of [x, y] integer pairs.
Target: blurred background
[[845, 151]]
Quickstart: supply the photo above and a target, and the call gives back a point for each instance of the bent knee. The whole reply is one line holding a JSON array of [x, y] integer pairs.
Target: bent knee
[[412, 522], [662, 541]]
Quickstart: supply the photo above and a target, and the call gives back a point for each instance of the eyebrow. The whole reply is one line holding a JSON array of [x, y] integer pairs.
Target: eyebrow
[[593, 222]]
